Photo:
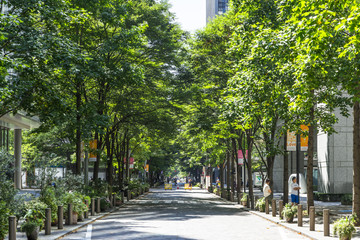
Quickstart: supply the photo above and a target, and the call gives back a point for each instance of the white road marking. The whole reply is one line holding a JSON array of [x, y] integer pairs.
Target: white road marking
[[167, 201], [181, 201], [88, 232]]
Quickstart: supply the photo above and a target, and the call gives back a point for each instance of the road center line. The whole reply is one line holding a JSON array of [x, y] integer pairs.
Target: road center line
[[88, 232]]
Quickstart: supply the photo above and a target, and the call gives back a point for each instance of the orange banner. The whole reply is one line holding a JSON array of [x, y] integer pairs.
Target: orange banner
[[93, 147], [304, 140]]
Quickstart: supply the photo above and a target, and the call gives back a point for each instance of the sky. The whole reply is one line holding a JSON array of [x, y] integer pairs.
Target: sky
[[190, 14]]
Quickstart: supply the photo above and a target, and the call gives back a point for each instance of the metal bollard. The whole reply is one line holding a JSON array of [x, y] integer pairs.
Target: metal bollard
[[114, 200], [93, 207], [122, 197], [47, 221], [60, 217], [111, 201], [312, 218], [300, 215], [86, 214], [273, 207], [128, 195], [98, 205], [266, 206], [12, 228], [70, 214], [281, 207], [326, 215]]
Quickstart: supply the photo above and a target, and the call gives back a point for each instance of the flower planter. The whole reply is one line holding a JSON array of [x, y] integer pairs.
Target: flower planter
[[33, 235], [345, 237], [244, 203], [289, 219]]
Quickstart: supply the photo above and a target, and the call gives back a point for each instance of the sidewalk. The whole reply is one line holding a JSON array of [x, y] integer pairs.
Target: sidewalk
[[318, 234], [68, 229]]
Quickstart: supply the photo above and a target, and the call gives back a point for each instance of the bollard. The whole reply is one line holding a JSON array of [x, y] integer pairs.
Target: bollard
[[47, 221], [312, 218], [231, 196], [98, 205], [111, 200], [300, 215], [273, 207], [326, 222], [93, 207], [70, 214], [60, 217], [281, 206], [86, 214], [122, 197], [266, 206], [114, 200], [239, 195], [12, 228], [128, 195]]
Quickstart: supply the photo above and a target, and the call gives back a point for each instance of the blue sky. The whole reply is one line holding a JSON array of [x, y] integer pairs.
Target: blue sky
[[190, 14]]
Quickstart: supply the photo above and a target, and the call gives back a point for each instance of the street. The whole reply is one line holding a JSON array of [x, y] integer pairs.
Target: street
[[180, 214]]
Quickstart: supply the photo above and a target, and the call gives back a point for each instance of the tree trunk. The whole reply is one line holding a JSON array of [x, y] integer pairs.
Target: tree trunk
[[249, 168], [233, 156], [286, 173], [127, 160], [97, 163], [228, 173], [356, 162], [222, 179], [78, 131], [310, 163]]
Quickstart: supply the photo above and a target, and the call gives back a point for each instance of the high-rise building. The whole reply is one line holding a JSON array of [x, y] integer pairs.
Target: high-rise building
[[215, 7]]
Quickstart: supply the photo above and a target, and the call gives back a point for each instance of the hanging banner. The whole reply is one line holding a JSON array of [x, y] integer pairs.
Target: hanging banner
[[304, 140], [93, 148], [131, 162], [241, 157], [131, 166], [291, 141], [147, 167], [82, 155]]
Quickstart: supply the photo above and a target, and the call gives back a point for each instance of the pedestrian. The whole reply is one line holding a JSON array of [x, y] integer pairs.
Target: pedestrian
[[294, 192], [267, 190]]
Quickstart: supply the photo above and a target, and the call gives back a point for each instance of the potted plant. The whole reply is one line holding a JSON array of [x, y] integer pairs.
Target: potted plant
[[289, 212], [344, 227], [260, 204], [31, 228], [79, 207], [244, 199]]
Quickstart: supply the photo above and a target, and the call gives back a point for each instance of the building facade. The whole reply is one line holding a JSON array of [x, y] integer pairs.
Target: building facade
[[215, 7]]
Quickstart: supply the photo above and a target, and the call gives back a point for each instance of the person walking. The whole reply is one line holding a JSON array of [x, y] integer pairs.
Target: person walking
[[294, 192], [267, 190]]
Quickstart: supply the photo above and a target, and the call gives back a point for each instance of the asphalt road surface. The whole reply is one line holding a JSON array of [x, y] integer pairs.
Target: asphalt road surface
[[182, 215]]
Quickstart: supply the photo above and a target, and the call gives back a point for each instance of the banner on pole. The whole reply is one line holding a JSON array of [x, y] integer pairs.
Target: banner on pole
[[241, 157], [291, 141], [304, 140], [93, 148]]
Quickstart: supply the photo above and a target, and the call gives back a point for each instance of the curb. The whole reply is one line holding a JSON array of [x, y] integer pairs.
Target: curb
[[278, 223]]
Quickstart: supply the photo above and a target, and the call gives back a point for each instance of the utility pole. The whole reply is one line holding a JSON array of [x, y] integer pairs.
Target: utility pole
[[298, 145]]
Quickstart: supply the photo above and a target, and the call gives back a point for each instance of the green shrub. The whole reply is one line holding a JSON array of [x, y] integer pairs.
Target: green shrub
[[76, 199], [346, 199], [30, 226], [47, 196], [345, 227], [4, 221], [35, 212]]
